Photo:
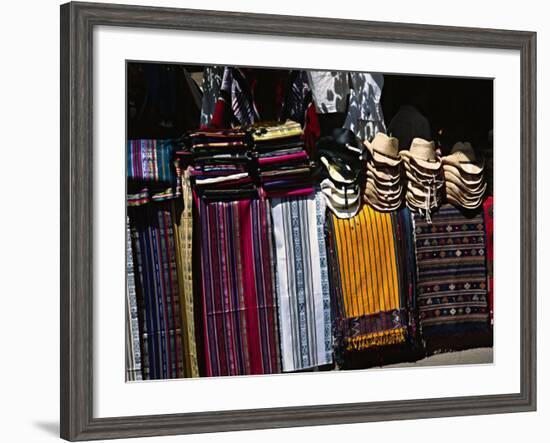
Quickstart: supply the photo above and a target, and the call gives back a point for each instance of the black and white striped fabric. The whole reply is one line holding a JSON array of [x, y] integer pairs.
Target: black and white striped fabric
[[302, 281]]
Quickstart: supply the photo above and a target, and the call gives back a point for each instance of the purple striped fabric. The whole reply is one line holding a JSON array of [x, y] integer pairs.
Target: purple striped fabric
[[239, 305], [283, 158], [157, 290]]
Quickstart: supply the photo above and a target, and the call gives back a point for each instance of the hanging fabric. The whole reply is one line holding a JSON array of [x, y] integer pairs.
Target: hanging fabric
[[366, 282], [239, 306], [452, 280], [183, 240], [133, 347], [302, 281], [489, 229], [211, 86], [158, 295], [364, 113]]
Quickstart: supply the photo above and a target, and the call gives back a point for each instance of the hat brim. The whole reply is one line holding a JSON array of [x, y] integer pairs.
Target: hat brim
[[452, 183], [336, 175], [421, 204], [386, 183], [463, 198], [470, 168], [383, 199], [430, 165], [469, 179], [467, 205], [343, 213], [348, 190], [381, 158], [418, 194], [460, 182], [339, 200], [390, 192], [379, 206], [384, 175], [424, 174], [412, 181], [415, 181]]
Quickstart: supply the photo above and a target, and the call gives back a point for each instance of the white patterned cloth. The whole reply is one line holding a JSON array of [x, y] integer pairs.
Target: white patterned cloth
[[302, 281], [365, 117], [356, 93], [133, 349], [329, 89]]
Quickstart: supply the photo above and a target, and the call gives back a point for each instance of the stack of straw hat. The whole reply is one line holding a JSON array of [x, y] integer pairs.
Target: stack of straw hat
[[464, 178], [383, 189], [425, 180]]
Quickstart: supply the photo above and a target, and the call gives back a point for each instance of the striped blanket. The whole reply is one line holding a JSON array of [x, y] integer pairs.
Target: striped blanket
[[365, 278]]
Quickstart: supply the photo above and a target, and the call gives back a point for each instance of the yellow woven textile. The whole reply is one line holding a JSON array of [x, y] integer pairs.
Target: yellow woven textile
[[367, 263], [287, 129], [183, 236]]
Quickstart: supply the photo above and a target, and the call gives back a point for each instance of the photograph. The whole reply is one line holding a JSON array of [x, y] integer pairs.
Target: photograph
[[283, 220]]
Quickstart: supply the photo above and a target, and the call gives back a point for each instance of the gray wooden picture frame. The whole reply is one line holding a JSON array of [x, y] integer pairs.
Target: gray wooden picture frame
[[77, 217]]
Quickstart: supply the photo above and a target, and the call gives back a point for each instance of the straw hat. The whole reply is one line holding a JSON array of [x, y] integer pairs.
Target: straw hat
[[452, 198], [420, 173], [453, 180], [421, 191], [384, 150], [380, 205], [464, 157], [422, 153], [379, 182], [467, 179], [382, 202], [420, 203], [384, 174], [434, 182], [387, 191]]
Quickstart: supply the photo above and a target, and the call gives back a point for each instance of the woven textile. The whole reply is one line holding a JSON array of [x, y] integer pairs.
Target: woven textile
[[365, 281], [133, 349], [158, 294], [303, 291], [488, 220], [183, 238], [406, 264], [239, 305], [150, 160], [452, 279]]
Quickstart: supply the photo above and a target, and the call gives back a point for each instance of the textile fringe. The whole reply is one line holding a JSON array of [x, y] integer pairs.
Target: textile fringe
[[384, 338]]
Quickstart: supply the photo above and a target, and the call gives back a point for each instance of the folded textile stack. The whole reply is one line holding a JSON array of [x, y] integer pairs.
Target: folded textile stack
[[464, 179], [383, 189], [221, 163], [284, 166], [151, 171], [340, 168], [425, 183], [150, 161]]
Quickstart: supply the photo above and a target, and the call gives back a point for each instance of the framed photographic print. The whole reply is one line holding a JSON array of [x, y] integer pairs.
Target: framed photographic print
[[272, 221]]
